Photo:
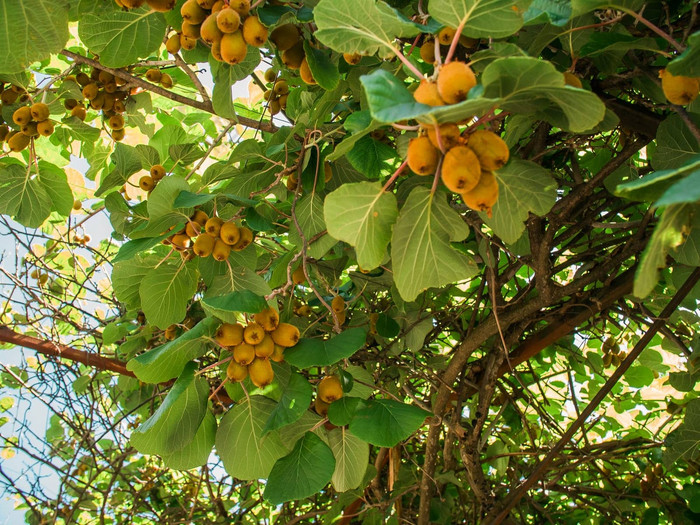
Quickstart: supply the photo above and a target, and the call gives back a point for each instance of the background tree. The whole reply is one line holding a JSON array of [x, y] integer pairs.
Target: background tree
[[437, 265]]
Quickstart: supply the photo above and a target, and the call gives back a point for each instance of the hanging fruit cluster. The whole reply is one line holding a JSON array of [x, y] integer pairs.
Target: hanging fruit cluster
[[212, 236], [329, 389], [149, 182], [277, 92], [612, 355], [32, 121], [678, 89], [157, 5], [104, 92], [262, 340], [227, 27], [467, 160]]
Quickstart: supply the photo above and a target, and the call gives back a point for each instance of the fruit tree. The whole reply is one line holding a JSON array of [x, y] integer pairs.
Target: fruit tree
[[350, 261]]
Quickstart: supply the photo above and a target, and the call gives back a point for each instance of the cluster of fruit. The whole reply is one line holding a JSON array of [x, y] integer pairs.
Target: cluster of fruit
[[32, 121], [277, 92], [156, 174], [227, 27], [652, 479], [290, 46], [41, 278], [212, 236], [157, 5], [262, 340], [103, 93], [466, 160], [329, 389], [158, 77], [612, 355], [444, 38], [678, 89]]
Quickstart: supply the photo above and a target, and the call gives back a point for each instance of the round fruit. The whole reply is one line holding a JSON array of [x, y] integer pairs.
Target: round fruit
[[491, 150], [446, 35], [40, 111], [338, 304], [187, 43], [241, 6], [228, 20], [427, 93], [427, 51], [293, 57], [153, 75], [460, 169], [449, 136], [229, 233], [181, 241], [172, 45], [285, 36], [305, 72], [18, 142], [330, 389], [253, 333], [244, 353], [269, 319], [45, 128], [199, 216], [260, 372], [454, 82], [79, 112], [209, 31], [298, 276], [146, 183], [157, 172], [193, 229], [678, 89], [204, 245], [254, 33], [116, 122], [192, 12], [245, 239], [161, 6], [213, 226], [229, 334], [278, 354], [22, 116], [352, 58], [484, 195], [233, 48], [118, 134], [236, 372], [422, 157], [265, 348], [572, 80], [221, 250], [321, 407], [286, 335]]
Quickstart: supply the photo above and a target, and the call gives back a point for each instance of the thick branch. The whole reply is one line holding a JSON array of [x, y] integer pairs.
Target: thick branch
[[543, 466], [158, 90], [63, 351]]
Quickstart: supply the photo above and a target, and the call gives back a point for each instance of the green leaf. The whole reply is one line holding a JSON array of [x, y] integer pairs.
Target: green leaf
[[688, 253], [126, 161], [161, 201], [684, 442], [420, 245], [54, 181], [301, 473], [246, 451], [129, 249], [225, 75], [187, 199], [385, 422], [685, 190], [639, 376], [387, 327], [309, 213], [120, 38], [351, 459], [359, 26], [668, 234], [127, 276], [555, 12], [175, 423], [688, 63], [225, 307], [166, 290], [196, 453], [530, 86], [652, 186], [341, 412], [31, 31], [371, 157], [167, 361], [362, 215], [314, 352], [323, 67], [676, 145], [22, 195], [295, 400], [481, 18], [523, 187]]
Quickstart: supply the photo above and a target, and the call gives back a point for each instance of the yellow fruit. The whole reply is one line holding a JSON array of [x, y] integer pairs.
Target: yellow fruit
[[572, 80], [236, 372], [229, 233], [45, 128], [298, 276], [254, 33], [77, 205], [241, 6], [229, 334], [245, 239], [18, 142], [285, 36], [422, 156], [116, 122], [253, 333], [303, 311], [678, 89], [427, 51], [170, 332], [193, 229], [260, 372], [79, 112], [172, 45], [40, 111], [161, 6], [119, 106], [305, 72], [192, 12], [281, 87], [278, 354], [321, 407], [118, 134], [209, 31], [427, 93], [30, 129], [454, 82], [460, 169], [338, 304], [293, 57], [274, 107], [352, 58], [90, 91], [157, 172], [98, 102], [270, 74], [216, 51], [244, 353], [206, 4], [218, 6], [268, 319], [227, 20], [490, 149], [221, 250], [181, 241], [213, 226], [191, 30], [146, 183], [446, 35], [22, 116], [449, 135], [286, 335], [484, 195], [341, 317], [187, 43], [204, 245], [153, 75], [330, 389], [265, 348], [233, 48]]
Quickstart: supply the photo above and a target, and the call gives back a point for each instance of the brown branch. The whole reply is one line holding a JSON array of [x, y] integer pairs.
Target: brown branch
[[158, 90], [543, 466]]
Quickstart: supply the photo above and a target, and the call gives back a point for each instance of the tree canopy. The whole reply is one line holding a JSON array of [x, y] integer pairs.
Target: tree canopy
[[333, 261]]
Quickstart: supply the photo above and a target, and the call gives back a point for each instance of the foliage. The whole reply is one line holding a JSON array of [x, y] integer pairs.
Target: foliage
[[465, 340]]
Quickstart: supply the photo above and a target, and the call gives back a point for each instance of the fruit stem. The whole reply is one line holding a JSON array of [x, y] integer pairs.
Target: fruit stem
[[216, 390], [438, 58], [395, 175], [406, 62], [438, 137], [405, 128], [218, 363], [663, 34], [437, 177], [455, 40]]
